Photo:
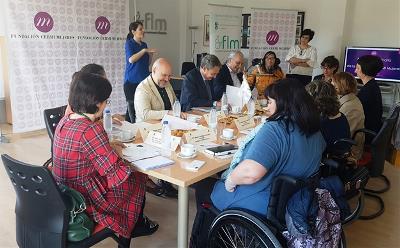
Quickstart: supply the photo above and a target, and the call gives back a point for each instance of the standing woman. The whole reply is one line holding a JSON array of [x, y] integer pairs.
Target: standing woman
[[138, 58], [302, 58]]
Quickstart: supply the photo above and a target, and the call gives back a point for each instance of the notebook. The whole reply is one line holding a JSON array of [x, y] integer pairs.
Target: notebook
[[153, 163]]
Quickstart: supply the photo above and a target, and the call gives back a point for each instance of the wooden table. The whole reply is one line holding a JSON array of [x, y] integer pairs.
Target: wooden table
[[176, 174]]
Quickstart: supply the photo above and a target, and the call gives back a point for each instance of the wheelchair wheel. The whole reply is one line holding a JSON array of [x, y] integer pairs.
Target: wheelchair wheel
[[239, 229]]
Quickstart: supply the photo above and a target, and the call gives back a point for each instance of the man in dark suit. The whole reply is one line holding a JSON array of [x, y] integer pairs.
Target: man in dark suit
[[230, 74], [197, 86]]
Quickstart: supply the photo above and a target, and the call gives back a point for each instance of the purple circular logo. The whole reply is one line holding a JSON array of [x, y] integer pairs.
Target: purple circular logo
[[102, 25], [272, 38], [43, 22]]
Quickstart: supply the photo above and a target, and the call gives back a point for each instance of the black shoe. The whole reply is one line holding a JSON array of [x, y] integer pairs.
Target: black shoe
[[145, 228], [169, 190], [157, 190]]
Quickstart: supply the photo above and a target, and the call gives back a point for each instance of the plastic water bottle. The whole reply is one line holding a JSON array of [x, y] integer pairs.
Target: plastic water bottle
[[176, 108], [166, 140], [251, 108], [224, 104], [212, 120], [107, 121]]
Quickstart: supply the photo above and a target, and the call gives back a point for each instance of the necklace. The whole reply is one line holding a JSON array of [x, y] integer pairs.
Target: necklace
[[84, 115]]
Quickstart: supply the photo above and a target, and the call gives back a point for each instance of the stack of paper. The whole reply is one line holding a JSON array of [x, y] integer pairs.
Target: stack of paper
[[135, 152], [153, 163]]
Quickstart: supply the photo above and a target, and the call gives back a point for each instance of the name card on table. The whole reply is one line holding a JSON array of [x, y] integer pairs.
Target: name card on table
[[146, 129], [155, 139], [220, 115], [200, 136], [244, 122]]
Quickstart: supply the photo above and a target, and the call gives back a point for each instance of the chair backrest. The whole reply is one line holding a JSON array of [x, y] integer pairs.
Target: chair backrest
[[41, 216], [379, 144], [176, 84], [52, 117], [282, 189], [187, 66]]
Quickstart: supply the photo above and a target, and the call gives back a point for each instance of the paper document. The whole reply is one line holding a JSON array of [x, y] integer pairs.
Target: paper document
[[178, 123], [153, 163], [134, 152]]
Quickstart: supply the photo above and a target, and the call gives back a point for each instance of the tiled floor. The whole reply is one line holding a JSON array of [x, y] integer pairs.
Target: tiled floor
[[34, 148]]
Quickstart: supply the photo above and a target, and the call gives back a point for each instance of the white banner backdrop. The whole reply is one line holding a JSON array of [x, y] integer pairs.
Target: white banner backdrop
[[49, 40], [225, 25], [272, 30]]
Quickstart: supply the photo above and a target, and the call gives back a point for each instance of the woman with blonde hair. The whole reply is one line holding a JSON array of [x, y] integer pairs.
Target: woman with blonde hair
[[346, 88]]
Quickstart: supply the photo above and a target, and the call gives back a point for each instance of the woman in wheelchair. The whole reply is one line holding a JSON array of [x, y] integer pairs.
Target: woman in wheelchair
[[288, 143], [85, 160]]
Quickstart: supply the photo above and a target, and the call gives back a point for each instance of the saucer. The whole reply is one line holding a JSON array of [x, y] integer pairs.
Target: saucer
[[184, 156], [225, 138], [128, 140]]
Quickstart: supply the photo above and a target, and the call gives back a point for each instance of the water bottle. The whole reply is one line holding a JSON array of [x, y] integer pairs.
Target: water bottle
[[251, 108], [224, 104], [166, 140], [107, 121], [212, 120], [176, 108]]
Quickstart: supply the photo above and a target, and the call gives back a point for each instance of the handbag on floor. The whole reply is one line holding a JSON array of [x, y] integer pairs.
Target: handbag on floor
[[80, 226]]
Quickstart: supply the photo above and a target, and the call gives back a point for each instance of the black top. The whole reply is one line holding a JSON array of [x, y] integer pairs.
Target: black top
[[195, 92], [164, 96], [222, 80], [371, 100], [335, 129]]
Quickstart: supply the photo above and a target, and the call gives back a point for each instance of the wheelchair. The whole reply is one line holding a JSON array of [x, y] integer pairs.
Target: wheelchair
[[243, 228]]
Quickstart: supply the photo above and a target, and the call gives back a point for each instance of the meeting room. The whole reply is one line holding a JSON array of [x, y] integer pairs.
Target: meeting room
[[182, 123]]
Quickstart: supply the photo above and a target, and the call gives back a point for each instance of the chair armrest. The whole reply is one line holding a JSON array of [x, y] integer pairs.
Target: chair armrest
[[345, 141], [365, 131]]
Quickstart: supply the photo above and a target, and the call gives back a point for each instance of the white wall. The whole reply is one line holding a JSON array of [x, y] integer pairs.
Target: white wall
[[168, 45], [2, 33]]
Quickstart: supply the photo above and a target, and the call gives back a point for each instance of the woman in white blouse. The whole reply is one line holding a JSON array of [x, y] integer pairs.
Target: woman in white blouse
[[302, 58]]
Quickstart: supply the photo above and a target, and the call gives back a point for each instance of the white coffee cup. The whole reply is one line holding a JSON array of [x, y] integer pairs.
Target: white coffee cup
[[127, 135], [263, 102], [235, 109], [188, 150], [227, 133]]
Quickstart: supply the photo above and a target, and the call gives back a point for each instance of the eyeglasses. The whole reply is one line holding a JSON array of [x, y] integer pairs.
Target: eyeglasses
[[326, 67]]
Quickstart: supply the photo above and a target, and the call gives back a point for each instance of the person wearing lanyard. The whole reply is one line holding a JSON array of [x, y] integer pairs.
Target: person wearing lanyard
[[197, 86], [138, 58], [302, 58]]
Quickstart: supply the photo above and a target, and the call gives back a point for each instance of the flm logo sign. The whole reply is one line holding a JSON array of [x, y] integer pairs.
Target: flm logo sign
[[43, 22], [272, 38], [102, 25]]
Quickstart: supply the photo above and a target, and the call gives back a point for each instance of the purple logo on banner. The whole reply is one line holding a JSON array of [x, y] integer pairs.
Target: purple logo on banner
[[272, 38], [43, 22], [102, 25]]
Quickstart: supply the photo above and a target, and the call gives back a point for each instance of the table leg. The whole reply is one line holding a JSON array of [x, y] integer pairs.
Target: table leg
[[183, 215]]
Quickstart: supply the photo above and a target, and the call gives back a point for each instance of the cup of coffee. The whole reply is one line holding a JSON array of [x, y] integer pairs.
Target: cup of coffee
[[263, 102], [127, 135], [188, 150], [227, 133], [235, 109]]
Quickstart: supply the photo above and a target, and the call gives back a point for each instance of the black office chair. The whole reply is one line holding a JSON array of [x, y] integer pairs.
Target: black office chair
[[41, 214], [176, 84], [186, 67], [51, 118], [375, 152]]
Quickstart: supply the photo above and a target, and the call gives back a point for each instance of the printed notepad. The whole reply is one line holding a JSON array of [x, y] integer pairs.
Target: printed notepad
[[153, 163]]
